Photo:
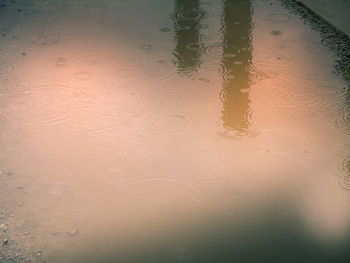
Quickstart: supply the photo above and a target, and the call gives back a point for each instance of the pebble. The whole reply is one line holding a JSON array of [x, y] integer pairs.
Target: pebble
[[5, 241], [73, 232], [3, 227]]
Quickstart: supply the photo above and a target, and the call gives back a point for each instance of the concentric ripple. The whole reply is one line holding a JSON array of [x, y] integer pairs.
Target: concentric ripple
[[47, 39], [82, 201], [196, 46], [278, 18], [343, 122], [107, 125], [256, 75], [156, 188], [228, 74], [5, 67], [34, 6], [5, 86], [164, 72], [161, 157], [45, 104], [215, 190], [59, 188], [213, 52], [173, 124], [281, 140], [182, 17], [304, 98], [113, 175], [83, 75], [345, 180]]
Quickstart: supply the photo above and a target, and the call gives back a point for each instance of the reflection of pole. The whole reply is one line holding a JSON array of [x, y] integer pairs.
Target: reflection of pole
[[236, 30], [187, 18]]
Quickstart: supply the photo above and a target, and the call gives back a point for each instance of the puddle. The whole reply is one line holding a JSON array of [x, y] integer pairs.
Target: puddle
[[170, 131], [173, 124]]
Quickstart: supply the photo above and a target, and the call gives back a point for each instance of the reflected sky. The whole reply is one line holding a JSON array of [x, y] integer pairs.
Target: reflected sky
[[207, 130]]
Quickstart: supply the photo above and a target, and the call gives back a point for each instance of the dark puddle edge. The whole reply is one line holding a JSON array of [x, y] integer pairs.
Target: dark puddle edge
[[331, 36]]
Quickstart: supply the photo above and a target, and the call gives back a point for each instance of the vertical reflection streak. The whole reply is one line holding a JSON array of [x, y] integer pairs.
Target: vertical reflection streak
[[187, 17], [236, 41]]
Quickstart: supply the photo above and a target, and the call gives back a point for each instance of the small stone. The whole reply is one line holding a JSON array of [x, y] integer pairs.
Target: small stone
[[5, 242], [19, 10], [39, 253], [73, 232], [23, 53], [9, 173]]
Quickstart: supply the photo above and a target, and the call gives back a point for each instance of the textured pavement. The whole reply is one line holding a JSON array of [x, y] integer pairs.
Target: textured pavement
[[335, 12]]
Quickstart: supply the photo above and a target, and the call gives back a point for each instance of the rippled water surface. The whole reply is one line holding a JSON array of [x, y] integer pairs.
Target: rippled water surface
[[170, 131]]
